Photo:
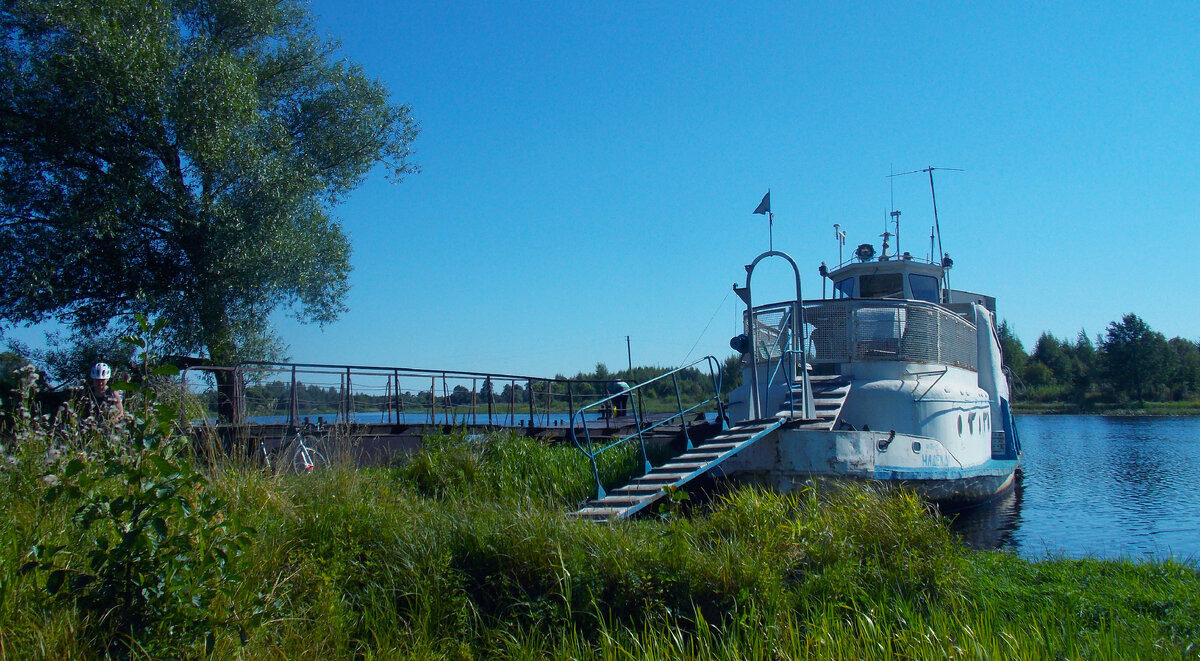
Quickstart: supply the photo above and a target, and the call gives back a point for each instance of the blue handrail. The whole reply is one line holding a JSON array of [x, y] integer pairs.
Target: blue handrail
[[591, 452]]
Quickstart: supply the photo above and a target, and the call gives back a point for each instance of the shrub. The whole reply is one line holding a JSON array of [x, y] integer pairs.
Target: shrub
[[152, 559]]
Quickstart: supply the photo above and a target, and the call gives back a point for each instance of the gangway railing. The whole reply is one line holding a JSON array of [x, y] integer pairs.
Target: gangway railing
[[292, 393], [642, 423]]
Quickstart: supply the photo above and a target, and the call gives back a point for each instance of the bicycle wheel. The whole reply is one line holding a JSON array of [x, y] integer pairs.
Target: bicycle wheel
[[304, 457]]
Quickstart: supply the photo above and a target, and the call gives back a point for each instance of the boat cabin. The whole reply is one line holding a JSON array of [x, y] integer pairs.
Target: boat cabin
[[904, 278]]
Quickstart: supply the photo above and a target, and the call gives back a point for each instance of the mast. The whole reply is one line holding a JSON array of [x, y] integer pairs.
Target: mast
[[936, 225]]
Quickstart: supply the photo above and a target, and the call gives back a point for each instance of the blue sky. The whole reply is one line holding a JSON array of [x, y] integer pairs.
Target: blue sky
[[589, 169]]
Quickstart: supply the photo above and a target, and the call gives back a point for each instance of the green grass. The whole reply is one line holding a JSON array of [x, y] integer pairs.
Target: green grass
[[466, 551]]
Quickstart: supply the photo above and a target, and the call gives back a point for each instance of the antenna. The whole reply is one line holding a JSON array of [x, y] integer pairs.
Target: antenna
[[896, 220], [841, 239], [892, 204], [936, 224]]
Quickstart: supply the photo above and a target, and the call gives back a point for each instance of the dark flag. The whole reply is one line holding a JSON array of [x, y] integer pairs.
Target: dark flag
[[765, 205]]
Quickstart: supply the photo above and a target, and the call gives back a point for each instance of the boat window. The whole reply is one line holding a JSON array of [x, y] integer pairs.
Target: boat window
[[924, 287], [844, 288], [881, 285]]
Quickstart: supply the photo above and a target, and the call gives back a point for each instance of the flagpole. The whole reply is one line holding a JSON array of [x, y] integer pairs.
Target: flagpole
[[764, 207]]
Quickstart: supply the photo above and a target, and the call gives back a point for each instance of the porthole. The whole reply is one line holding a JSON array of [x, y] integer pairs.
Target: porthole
[[971, 423], [960, 425]]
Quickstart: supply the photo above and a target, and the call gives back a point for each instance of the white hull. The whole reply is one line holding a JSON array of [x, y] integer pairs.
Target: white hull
[[791, 457], [903, 391]]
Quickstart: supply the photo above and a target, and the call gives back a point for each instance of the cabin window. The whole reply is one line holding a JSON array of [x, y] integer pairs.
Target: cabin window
[[924, 287], [881, 285], [844, 288]]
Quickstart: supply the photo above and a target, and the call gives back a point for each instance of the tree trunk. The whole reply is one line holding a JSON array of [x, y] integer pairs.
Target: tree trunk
[[231, 393], [231, 396]]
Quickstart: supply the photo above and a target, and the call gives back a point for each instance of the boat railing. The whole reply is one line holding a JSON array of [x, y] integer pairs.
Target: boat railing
[[643, 423], [850, 330]]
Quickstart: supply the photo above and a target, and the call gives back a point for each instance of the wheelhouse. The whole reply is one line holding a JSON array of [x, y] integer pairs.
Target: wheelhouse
[[903, 279]]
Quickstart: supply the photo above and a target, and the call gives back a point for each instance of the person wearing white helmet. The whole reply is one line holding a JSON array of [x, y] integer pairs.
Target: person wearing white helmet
[[102, 401]]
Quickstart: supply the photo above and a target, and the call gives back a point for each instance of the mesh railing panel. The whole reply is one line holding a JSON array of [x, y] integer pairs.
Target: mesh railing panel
[[773, 326], [845, 330]]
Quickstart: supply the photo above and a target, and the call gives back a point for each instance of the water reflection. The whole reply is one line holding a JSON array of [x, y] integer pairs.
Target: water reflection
[[1101, 487], [992, 524]]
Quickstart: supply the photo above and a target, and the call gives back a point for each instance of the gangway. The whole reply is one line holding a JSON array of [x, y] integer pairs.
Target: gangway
[[652, 487]]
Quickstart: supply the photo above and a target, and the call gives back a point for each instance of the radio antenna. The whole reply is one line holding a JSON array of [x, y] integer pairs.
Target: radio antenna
[[892, 204], [840, 235], [933, 194]]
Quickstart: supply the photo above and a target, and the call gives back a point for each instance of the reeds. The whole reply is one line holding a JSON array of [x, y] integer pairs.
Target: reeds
[[467, 550]]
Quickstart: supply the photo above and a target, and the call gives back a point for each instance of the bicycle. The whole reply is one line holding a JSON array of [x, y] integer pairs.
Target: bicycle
[[300, 454]]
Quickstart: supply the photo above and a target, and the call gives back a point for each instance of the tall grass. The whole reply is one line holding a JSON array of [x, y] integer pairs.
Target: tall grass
[[467, 550]]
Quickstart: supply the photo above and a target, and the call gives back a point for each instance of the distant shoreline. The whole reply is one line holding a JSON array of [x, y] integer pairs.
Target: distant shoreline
[[1155, 409]]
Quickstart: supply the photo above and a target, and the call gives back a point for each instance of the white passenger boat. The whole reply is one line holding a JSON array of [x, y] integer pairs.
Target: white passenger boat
[[896, 378]]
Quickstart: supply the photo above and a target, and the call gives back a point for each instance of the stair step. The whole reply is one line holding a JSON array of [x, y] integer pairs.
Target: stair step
[[699, 456], [682, 465], [662, 478], [719, 446], [640, 491], [601, 512], [620, 501]]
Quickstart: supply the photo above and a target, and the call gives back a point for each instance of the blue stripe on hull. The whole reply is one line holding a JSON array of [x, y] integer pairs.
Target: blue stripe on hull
[[955, 487]]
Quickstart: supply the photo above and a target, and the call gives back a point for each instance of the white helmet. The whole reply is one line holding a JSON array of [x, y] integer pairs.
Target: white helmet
[[101, 371]]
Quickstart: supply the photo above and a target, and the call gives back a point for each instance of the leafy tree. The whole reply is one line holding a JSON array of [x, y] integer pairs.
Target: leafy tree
[[1135, 359], [1184, 379], [69, 360], [460, 395], [179, 159], [1036, 374], [731, 373], [1049, 352], [1010, 346], [1083, 359], [10, 378]]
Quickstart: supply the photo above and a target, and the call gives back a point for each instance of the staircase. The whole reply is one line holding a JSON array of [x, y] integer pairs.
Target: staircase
[[829, 395], [646, 490]]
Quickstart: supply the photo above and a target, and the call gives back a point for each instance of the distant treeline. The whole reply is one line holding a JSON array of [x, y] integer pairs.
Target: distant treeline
[[1130, 364]]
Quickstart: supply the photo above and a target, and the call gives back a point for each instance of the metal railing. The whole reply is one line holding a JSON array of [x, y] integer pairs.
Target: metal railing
[[294, 393], [643, 424], [848, 330]]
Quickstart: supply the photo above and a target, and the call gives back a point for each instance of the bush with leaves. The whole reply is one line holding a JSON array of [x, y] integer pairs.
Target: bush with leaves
[[155, 561]]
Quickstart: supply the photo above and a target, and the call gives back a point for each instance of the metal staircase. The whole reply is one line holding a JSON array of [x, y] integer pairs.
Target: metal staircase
[[829, 395], [646, 490]]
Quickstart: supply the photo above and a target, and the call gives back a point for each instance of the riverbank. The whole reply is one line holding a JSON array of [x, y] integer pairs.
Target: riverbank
[[1188, 408], [466, 551]]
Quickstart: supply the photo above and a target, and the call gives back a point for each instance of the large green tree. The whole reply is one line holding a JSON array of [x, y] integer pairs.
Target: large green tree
[[1185, 372], [179, 158], [1136, 360]]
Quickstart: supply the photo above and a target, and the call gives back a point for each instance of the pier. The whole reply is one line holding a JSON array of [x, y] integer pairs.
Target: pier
[[376, 414]]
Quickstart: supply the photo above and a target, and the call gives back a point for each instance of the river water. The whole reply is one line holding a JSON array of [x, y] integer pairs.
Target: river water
[[1096, 486]]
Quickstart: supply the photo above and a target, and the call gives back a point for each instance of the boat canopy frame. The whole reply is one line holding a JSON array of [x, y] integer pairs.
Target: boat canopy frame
[[793, 324]]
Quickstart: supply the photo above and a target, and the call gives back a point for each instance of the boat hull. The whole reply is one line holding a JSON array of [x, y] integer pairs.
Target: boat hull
[[957, 490], [791, 458]]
